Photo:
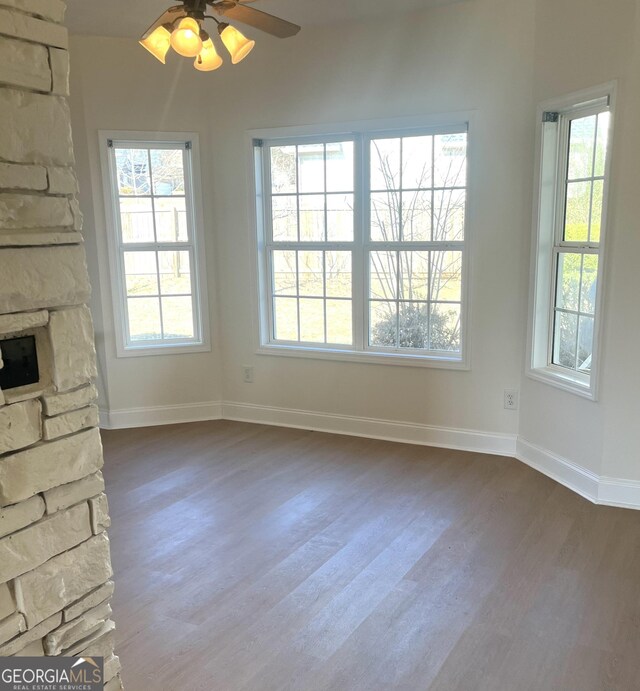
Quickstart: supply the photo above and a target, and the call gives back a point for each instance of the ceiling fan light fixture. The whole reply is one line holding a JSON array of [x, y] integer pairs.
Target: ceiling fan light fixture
[[185, 38], [158, 43], [238, 45], [208, 59], [182, 27]]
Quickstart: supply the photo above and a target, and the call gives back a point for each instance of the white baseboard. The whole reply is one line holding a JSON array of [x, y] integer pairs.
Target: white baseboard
[[389, 430], [619, 492], [597, 489], [411, 433], [569, 474], [160, 415]]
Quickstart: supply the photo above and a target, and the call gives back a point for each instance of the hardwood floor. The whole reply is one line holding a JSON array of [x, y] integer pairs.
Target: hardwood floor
[[252, 557]]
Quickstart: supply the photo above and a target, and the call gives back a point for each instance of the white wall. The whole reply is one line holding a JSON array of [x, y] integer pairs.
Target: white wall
[[378, 70], [112, 91], [495, 57], [579, 45], [403, 66], [622, 365]]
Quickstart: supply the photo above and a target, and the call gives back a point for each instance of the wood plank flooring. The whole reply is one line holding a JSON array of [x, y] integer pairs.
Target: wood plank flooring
[[265, 559]]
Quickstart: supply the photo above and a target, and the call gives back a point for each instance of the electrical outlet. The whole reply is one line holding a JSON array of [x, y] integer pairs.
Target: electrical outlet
[[247, 374], [510, 399]]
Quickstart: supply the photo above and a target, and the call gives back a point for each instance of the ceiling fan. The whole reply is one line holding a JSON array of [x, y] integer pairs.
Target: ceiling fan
[[181, 28]]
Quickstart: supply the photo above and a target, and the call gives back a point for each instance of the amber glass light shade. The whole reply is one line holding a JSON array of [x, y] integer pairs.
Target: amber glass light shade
[[158, 43], [238, 45], [185, 39], [208, 59]]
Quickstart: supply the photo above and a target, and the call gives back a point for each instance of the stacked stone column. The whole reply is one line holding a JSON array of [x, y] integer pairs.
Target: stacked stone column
[[55, 566]]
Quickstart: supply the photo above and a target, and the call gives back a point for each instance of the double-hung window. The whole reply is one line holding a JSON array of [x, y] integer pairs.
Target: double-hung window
[[156, 245], [574, 173], [362, 244]]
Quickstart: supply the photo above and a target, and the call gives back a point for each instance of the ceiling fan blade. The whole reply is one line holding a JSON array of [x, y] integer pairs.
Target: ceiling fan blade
[[256, 18], [168, 17]]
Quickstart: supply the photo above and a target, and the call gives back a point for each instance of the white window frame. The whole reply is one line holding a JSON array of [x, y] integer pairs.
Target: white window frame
[[201, 342], [553, 141], [360, 133]]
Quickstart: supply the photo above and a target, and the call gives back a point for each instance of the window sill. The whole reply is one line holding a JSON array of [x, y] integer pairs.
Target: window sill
[[579, 385], [375, 358], [144, 351]]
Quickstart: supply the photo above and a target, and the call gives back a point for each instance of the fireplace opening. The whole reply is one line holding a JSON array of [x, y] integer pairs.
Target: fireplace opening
[[19, 362]]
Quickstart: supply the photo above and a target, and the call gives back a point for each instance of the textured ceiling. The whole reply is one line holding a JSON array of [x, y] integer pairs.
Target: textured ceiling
[[125, 18]]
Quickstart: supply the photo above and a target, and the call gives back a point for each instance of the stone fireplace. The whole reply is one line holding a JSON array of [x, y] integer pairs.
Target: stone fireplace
[[55, 566]]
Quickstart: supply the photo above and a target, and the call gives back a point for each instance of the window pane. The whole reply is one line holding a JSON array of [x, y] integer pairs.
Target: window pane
[[310, 274], [445, 327], [285, 277], [315, 200], [414, 281], [450, 160], [576, 227], [340, 217], [564, 340], [339, 166], [604, 120], [136, 218], [589, 284], [144, 319], [383, 275], [167, 171], [585, 343], [339, 322], [338, 274], [286, 319], [311, 168], [385, 164], [132, 166], [568, 283], [141, 273], [449, 215], [385, 216], [582, 137], [283, 169], [312, 218], [153, 206], [416, 216], [175, 273], [562, 333], [383, 324], [413, 324], [417, 155], [171, 220], [596, 211], [446, 276], [312, 320], [285, 218], [177, 317]]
